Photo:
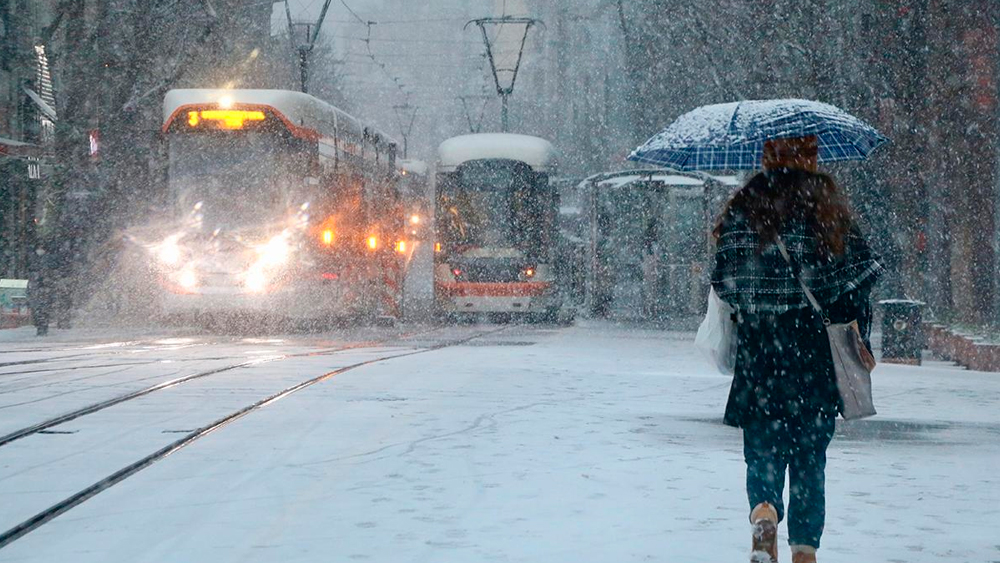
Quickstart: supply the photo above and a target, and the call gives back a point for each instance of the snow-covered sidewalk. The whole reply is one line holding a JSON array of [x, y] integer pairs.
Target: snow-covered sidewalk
[[592, 443]]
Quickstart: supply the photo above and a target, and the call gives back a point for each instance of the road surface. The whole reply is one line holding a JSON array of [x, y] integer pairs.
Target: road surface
[[452, 444]]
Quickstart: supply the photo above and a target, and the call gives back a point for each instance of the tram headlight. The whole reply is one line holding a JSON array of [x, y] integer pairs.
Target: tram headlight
[[168, 252], [188, 280], [255, 281], [169, 255], [276, 251]]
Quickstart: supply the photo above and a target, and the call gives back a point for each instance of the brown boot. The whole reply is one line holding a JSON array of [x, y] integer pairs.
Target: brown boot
[[803, 554], [764, 518]]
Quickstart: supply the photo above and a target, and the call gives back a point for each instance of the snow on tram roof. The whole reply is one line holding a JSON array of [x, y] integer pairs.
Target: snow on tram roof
[[533, 151], [301, 109]]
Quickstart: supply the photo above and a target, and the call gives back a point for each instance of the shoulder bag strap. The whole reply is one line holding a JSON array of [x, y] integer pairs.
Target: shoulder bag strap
[[809, 294]]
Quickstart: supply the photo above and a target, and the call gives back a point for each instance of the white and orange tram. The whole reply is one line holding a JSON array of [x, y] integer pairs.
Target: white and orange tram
[[281, 203], [496, 226]]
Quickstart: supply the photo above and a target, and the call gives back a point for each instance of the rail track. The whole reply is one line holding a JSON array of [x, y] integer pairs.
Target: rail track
[[101, 405], [41, 518]]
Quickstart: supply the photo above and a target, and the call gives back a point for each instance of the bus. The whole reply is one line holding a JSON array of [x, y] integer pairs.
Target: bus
[[496, 227], [277, 202]]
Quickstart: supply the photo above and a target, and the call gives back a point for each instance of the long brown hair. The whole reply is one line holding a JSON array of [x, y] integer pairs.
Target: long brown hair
[[773, 199]]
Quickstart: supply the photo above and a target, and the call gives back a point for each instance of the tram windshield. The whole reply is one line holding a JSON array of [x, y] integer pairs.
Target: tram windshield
[[241, 178], [495, 204]]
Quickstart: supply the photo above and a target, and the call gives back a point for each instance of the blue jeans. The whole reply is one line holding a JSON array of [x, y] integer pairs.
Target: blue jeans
[[798, 446]]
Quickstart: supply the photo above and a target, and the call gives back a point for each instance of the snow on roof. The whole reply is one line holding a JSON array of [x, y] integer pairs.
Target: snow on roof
[[301, 109], [668, 179], [533, 151], [665, 176], [13, 284], [727, 180], [48, 110]]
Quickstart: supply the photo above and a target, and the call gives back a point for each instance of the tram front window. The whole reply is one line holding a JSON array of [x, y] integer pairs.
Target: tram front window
[[493, 204], [241, 178]]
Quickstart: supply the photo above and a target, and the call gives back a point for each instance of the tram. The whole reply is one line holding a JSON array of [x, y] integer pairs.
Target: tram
[[496, 226], [280, 203]]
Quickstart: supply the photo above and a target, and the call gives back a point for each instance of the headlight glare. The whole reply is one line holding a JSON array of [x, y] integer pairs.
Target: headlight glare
[[256, 281]]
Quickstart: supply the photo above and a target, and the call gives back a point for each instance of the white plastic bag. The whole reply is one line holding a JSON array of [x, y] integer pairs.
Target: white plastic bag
[[717, 335]]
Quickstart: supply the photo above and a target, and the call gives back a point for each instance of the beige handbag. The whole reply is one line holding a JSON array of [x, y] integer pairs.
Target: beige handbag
[[852, 362]]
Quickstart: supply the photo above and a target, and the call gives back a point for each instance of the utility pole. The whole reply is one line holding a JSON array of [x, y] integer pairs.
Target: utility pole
[[311, 33], [505, 89], [402, 110], [468, 116]]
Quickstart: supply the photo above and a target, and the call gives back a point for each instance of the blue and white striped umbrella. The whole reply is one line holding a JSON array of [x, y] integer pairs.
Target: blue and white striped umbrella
[[731, 136]]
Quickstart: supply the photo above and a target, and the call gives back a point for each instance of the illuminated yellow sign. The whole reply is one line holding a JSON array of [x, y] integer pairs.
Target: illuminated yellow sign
[[225, 118]]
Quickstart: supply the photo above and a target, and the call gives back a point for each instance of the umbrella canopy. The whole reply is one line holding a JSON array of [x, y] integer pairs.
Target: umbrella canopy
[[731, 136]]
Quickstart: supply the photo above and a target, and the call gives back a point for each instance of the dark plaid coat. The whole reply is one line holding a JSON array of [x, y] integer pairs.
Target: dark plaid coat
[[756, 280], [783, 365]]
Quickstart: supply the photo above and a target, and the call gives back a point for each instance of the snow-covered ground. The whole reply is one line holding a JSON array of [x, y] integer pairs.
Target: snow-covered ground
[[592, 443]]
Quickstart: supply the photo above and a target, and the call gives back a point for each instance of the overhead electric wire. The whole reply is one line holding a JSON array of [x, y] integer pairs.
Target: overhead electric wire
[[368, 47]]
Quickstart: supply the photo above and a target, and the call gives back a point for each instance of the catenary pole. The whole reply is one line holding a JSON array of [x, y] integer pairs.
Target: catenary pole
[[311, 35], [503, 90]]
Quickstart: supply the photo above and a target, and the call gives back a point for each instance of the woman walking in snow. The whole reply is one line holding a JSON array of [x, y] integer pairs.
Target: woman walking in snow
[[784, 393]]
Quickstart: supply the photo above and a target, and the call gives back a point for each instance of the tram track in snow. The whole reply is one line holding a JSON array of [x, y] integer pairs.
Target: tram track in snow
[[8, 387], [41, 518], [70, 348], [97, 350], [101, 405]]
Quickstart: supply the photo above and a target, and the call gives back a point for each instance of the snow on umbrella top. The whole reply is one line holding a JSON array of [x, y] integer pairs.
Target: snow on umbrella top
[[731, 136]]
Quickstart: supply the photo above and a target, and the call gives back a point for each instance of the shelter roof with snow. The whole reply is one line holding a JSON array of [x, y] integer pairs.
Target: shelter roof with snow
[[625, 178]]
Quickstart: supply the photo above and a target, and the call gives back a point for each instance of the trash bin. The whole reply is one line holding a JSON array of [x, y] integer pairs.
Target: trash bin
[[902, 333]]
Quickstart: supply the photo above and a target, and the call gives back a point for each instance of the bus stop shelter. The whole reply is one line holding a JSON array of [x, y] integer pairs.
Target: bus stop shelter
[[649, 242]]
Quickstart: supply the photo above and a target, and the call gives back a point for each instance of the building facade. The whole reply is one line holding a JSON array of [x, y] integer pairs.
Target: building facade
[[27, 126]]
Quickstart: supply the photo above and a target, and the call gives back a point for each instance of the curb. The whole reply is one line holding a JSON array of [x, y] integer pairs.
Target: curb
[[967, 350]]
